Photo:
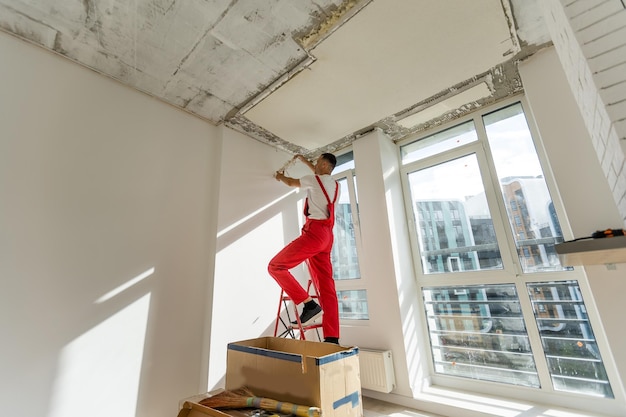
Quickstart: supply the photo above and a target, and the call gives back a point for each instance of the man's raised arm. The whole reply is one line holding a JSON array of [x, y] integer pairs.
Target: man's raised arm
[[305, 161]]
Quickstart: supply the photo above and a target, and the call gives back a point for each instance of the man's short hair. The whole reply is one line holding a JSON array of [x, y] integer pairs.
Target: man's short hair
[[332, 160]]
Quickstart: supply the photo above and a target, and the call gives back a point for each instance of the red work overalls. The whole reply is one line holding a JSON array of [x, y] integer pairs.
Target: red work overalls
[[313, 246]]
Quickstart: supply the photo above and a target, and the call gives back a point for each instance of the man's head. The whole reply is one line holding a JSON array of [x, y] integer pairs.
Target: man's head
[[325, 163]]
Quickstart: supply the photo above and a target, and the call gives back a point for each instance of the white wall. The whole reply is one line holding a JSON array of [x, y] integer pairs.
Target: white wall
[[99, 184], [579, 177], [257, 217], [590, 39], [386, 268]]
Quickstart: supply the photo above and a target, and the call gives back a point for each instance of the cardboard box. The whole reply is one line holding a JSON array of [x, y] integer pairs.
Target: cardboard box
[[302, 372]]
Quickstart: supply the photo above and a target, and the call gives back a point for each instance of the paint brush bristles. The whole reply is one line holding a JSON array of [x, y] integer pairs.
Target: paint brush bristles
[[243, 398]]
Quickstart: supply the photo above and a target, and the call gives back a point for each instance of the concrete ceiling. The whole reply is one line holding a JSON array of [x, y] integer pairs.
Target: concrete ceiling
[[304, 76]]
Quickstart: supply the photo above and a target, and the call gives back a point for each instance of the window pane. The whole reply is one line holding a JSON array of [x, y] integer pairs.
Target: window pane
[[353, 305], [344, 253], [528, 203], [478, 332], [344, 162], [439, 142], [569, 344], [454, 225]]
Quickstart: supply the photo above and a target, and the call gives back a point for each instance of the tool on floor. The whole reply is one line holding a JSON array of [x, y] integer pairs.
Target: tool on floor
[[244, 398]]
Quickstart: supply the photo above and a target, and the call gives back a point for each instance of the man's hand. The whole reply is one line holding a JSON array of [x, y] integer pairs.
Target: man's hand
[[305, 161], [292, 182]]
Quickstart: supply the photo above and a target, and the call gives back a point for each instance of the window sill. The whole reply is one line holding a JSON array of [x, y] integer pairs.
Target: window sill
[[437, 401]]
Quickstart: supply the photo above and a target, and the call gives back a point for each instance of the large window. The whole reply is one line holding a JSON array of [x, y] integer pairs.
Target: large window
[[345, 253], [499, 305]]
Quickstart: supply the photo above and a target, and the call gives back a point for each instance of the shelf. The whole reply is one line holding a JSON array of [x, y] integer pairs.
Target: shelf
[[608, 250]]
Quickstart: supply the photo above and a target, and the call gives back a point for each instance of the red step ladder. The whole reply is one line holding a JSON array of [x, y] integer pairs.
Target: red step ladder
[[295, 330]]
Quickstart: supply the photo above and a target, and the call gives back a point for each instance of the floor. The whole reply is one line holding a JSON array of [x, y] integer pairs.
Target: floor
[[377, 408]]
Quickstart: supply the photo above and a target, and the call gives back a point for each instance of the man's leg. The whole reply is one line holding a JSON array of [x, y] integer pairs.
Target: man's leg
[[292, 255], [321, 271]]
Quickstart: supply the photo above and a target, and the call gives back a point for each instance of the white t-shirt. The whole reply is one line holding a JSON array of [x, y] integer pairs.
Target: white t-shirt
[[317, 201]]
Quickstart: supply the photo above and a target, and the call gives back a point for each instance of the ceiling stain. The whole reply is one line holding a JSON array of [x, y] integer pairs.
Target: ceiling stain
[[219, 59]]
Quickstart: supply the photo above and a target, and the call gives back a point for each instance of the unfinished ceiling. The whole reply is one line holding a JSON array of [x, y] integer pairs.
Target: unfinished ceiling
[[304, 76]]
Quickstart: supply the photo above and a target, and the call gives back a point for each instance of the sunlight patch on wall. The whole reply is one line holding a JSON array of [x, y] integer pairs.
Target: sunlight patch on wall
[[99, 372], [242, 271], [245, 296], [125, 286], [252, 215]]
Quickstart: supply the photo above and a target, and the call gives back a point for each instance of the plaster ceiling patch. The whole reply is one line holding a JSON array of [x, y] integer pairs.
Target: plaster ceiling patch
[[382, 61], [470, 95]]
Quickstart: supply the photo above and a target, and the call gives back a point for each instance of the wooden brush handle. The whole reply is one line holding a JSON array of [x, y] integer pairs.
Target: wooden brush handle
[[283, 407]]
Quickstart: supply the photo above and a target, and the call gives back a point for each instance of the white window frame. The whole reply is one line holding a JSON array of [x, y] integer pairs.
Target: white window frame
[[361, 283], [511, 272]]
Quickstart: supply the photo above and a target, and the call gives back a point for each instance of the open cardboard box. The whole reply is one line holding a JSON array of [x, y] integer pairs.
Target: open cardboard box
[[302, 372]]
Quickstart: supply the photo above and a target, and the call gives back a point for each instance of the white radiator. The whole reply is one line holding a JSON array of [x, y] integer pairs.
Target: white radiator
[[376, 368]]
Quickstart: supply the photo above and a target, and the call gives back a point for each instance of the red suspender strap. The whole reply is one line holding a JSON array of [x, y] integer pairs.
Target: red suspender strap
[[324, 190]]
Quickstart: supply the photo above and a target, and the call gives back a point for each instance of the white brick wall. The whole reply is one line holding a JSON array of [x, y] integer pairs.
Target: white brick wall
[[590, 38]]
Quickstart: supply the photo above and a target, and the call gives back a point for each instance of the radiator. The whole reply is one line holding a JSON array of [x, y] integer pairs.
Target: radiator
[[376, 368]]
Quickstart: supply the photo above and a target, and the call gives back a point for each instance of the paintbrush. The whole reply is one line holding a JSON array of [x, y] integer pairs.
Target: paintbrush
[[287, 165], [243, 398]]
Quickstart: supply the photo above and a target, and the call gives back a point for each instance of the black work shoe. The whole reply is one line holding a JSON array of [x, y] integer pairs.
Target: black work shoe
[[334, 340], [309, 314]]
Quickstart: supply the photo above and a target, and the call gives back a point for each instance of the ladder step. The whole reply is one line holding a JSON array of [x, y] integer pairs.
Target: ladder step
[[291, 329]]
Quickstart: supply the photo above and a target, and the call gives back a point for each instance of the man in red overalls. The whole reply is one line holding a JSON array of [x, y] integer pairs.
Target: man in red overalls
[[313, 246]]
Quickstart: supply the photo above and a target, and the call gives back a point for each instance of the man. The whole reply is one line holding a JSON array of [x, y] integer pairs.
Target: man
[[313, 246]]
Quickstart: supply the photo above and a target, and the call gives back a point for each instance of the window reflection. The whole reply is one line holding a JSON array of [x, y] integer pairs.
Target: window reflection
[[531, 213], [344, 254], [353, 304], [569, 344], [455, 229], [479, 332]]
